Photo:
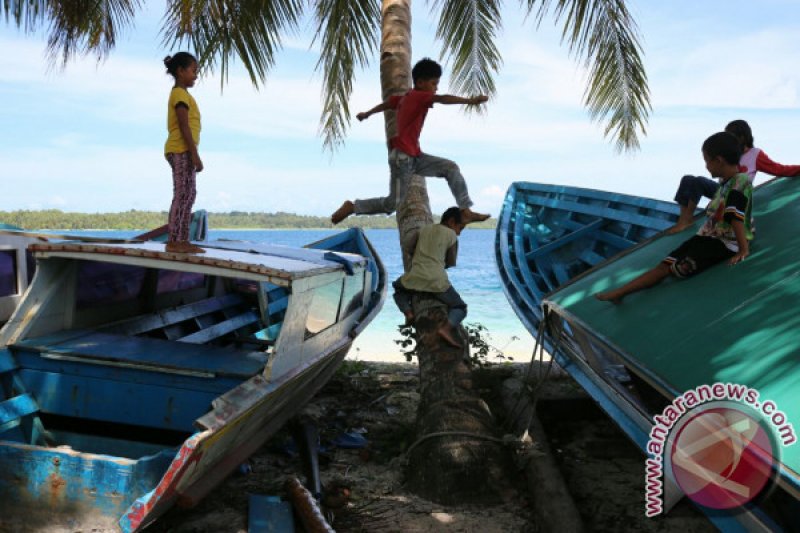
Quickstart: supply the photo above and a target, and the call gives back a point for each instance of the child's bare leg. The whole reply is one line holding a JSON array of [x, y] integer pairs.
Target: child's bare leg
[[345, 210], [685, 219], [650, 278]]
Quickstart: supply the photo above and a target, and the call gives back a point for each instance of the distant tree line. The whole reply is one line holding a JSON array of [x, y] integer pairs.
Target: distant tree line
[[142, 220]]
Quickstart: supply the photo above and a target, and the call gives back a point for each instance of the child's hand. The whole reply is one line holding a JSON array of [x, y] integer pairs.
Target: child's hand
[[197, 162], [363, 115], [739, 257]]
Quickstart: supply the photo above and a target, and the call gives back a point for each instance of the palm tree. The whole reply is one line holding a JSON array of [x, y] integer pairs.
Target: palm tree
[[462, 461], [601, 34]]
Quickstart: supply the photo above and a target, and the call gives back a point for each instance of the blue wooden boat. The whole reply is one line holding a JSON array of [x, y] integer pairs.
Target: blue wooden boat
[[133, 379], [17, 266], [733, 326], [548, 235]]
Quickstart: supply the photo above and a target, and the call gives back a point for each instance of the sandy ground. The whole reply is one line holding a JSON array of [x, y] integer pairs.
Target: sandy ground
[[379, 401], [602, 469], [604, 472]]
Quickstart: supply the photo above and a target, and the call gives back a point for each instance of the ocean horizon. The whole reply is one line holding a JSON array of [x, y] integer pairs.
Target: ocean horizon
[[475, 277]]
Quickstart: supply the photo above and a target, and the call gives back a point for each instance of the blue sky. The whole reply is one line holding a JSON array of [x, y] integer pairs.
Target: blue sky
[[90, 137]]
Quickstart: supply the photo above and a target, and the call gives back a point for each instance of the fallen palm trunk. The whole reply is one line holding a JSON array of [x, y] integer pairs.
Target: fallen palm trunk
[[306, 507], [551, 500]]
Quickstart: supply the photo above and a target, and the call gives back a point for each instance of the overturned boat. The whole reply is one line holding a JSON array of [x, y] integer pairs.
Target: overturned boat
[[548, 235], [730, 333], [134, 379]]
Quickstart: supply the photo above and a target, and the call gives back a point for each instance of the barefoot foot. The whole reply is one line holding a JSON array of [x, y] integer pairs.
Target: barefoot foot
[[679, 226], [183, 247], [446, 333], [468, 216], [192, 249], [347, 208], [610, 296]]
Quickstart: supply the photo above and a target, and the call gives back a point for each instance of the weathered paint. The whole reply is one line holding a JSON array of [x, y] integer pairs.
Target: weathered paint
[[208, 457], [99, 488], [272, 265], [71, 483]]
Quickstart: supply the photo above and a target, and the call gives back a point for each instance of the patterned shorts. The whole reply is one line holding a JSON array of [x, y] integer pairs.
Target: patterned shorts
[[696, 255]]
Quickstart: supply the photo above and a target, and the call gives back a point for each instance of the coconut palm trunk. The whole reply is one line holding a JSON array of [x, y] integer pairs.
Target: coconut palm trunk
[[453, 459]]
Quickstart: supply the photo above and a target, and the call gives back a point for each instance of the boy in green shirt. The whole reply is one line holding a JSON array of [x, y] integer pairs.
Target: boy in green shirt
[[435, 250], [726, 233]]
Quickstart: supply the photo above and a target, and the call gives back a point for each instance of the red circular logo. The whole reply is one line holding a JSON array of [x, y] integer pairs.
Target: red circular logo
[[722, 458]]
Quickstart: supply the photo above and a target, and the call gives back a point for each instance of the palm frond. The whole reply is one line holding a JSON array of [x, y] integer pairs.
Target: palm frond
[[467, 29], [222, 30], [604, 33], [76, 27], [348, 35], [27, 14]]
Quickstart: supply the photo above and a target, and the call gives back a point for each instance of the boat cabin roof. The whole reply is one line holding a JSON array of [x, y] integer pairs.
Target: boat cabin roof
[[729, 324], [274, 263]]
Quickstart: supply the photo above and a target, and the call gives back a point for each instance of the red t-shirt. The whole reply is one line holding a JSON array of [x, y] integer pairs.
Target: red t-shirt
[[412, 108]]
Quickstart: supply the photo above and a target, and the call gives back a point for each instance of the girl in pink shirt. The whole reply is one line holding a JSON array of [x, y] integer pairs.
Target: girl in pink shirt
[[753, 160]]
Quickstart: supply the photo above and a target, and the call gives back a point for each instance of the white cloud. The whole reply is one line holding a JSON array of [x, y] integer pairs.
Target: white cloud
[[90, 137]]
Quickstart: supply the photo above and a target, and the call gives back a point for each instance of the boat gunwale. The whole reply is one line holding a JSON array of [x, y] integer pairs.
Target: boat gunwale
[[203, 264], [791, 482]]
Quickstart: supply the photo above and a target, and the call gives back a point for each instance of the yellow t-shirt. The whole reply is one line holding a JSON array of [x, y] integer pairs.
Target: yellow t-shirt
[[175, 143], [427, 272]]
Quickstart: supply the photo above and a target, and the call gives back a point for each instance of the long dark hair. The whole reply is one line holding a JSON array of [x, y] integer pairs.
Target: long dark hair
[[741, 130]]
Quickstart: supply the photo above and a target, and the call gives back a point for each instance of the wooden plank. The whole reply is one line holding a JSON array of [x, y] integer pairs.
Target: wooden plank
[[221, 328], [7, 362], [168, 317], [268, 514], [269, 334], [11, 424], [150, 254], [615, 240], [152, 354], [591, 257], [566, 239], [123, 402], [17, 407], [277, 306]]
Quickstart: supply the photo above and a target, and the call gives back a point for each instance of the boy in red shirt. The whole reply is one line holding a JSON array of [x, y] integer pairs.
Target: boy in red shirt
[[406, 158]]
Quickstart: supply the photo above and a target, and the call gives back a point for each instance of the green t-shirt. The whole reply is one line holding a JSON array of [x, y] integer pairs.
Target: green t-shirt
[[427, 272], [733, 201]]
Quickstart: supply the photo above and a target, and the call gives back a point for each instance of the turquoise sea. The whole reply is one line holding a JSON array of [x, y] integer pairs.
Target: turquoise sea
[[475, 277]]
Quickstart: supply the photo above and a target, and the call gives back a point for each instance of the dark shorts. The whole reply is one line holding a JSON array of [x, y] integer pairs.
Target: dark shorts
[[693, 187], [696, 255]]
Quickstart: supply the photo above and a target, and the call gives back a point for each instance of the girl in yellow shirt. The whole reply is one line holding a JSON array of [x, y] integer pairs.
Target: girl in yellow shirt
[[183, 125]]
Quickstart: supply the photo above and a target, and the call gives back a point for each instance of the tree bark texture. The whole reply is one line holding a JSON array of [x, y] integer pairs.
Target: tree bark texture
[[455, 459], [395, 54]]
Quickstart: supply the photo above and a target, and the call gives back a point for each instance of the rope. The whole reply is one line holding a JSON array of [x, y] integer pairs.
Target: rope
[[452, 434], [538, 354]]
